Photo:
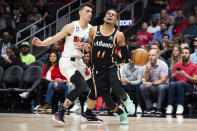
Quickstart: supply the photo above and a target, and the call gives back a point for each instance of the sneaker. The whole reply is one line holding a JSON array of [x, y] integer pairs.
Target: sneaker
[[123, 119], [169, 110], [24, 95], [129, 105], [37, 108], [149, 111], [90, 118], [46, 107], [158, 111], [58, 117], [139, 110], [179, 110]]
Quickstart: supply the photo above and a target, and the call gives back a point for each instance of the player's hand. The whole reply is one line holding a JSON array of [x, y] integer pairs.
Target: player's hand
[[78, 45], [36, 41]]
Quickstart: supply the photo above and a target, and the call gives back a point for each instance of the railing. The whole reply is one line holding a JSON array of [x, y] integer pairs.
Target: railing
[[130, 11], [33, 32]]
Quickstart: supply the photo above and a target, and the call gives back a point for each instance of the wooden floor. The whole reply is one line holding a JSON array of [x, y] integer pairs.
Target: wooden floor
[[43, 122]]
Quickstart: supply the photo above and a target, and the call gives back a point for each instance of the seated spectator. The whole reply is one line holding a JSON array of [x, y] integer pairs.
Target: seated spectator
[[5, 44], [180, 22], [193, 56], [184, 76], [25, 56], [59, 84], [163, 17], [156, 80], [171, 25], [132, 43], [190, 31], [13, 59], [158, 35], [175, 57], [131, 78], [165, 40], [158, 47], [155, 27], [144, 37], [49, 73]]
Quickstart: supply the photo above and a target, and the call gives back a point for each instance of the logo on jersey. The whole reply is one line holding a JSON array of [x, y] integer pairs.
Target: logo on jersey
[[111, 38], [77, 39], [101, 44], [77, 28]]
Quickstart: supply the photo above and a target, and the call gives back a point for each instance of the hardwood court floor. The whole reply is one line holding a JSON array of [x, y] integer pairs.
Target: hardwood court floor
[[43, 122]]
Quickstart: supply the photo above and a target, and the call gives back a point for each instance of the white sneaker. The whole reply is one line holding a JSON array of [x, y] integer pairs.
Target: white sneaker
[[139, 110], [24, 95], [179, 110], [37, 108], [169, 110]]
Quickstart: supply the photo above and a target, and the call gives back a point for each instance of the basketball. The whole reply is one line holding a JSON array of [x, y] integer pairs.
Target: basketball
[[140, 57]]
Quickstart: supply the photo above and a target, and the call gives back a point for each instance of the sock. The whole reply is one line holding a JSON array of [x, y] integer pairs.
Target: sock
[[119, 111]]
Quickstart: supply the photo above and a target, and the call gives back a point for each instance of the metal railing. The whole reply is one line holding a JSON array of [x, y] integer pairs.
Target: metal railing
[[33, 32]]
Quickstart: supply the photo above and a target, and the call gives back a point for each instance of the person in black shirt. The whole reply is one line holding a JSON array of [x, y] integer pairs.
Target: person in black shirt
[[103, 41]]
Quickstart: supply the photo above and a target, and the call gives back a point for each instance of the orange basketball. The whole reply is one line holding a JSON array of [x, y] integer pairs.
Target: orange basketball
[[140, 57]]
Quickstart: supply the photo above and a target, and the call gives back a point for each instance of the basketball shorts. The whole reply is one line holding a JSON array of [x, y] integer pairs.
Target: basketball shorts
[[68, 66]]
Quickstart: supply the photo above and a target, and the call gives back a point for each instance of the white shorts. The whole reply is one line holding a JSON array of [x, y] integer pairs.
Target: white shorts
[[68, 67]]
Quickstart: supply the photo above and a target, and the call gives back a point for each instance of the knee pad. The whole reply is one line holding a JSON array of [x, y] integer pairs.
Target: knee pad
[[79, 82]]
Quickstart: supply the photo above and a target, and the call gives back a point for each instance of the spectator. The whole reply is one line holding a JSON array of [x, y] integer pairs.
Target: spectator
[[184, 76], [131, 78], [144, 37], [49, 73], [5, 44], [19, 16], [165, 41], [158, 35], [35, 14], [25, 56], [132, 43], [158, 47], [175, 57], [154, 27], [60, 84], [163, 17], [13, 59], [190, 31], [175, 6], [156, 80], [171, 25], [193, 56], [180, 22]]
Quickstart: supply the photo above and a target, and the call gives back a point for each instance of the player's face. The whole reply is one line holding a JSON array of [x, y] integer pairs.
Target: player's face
[[86, 13], [111, 17]]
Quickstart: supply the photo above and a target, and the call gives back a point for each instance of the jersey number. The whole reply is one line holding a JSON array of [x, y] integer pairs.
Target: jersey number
[[100, 55]]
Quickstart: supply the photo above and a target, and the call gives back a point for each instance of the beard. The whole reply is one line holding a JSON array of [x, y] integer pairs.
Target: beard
[[185, 59]]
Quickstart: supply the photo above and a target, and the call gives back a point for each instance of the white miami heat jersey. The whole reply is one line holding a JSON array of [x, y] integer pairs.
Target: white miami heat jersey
[[78, 35]]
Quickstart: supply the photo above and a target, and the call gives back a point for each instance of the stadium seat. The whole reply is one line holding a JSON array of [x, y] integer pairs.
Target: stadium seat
[[1, 74], [36, 63]]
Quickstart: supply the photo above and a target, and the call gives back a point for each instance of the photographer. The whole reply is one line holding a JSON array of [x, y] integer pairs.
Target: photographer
[[184, 76]]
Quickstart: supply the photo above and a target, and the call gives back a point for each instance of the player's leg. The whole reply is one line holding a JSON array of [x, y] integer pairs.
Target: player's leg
[[69, 70], [89, 116], [118, 90]]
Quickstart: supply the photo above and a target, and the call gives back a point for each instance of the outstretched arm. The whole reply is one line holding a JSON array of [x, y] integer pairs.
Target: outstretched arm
[[66, 31]]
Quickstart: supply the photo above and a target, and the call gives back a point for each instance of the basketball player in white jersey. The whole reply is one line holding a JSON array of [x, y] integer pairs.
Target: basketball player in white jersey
[[71, 63]]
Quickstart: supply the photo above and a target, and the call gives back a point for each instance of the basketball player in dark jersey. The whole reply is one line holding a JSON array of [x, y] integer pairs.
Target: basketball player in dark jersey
[[105, 72]]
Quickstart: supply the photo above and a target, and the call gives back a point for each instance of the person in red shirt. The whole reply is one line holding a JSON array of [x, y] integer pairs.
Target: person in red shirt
[[50, 72], [144, 37], [180, 22], [184, 76]]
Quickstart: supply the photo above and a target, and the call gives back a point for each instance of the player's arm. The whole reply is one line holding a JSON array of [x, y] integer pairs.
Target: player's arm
[[120, 39], [65, 31], [91, 37]]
